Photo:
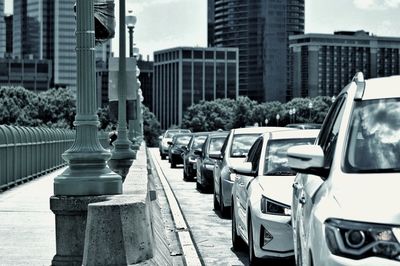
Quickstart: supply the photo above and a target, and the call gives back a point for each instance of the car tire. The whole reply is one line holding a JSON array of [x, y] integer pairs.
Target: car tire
[[237, 242], [223, 210], [173, 165], [253, 260]]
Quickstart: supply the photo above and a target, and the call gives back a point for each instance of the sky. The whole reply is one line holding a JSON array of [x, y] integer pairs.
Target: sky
[[163, 24]]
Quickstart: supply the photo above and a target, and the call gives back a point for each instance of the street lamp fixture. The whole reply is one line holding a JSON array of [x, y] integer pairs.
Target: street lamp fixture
[[277, 119], [130, 23], [310, 106], [266, 121]]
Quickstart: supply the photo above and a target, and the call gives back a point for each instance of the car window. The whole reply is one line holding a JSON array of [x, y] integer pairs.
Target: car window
[[183, 140], [215, 145], [198, 141], [241, 144], [254, 154], [276, 160], [330, 130], [374, 141]]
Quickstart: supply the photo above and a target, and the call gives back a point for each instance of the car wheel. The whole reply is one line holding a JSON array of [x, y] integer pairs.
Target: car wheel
[[237, 241], [216, 204], [253, 260], [222, 208]]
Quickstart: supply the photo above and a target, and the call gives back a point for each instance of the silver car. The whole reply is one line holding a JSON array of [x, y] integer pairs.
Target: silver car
[[234, 151], [346, 199], [261, 196]]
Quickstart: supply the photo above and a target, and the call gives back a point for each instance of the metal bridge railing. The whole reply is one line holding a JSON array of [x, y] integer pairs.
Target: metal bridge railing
[[28, 152]]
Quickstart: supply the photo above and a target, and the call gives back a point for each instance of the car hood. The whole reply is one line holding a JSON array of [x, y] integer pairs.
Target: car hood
[[277, 188], [368, 197]]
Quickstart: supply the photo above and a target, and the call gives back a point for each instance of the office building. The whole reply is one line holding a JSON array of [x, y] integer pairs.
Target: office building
[[45, 29], [8, 19], [260, 29], [186, 75], [146, 81], [32, 74], [324, 63], [2, 30]]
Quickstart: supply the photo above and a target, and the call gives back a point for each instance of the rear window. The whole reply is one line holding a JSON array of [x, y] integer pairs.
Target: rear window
[[242, 143]]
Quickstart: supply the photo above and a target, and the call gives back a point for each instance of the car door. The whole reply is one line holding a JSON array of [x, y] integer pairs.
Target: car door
[[218, 166], [244, 182], [310, 184]]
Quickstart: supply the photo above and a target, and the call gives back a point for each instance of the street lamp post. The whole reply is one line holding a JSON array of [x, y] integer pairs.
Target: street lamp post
[[122, 145], [87, 173], [294, 115], [310, 106], [290, 115]]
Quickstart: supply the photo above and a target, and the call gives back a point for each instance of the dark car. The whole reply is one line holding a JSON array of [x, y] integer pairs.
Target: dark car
[[205, 162], [177, 146], [167, 136], [190, 158]]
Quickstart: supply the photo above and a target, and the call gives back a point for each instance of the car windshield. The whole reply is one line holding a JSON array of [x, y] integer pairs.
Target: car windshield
[[241, 144], [276, 161], [183, 140], [198, 141], [374, 140], [216, 145]]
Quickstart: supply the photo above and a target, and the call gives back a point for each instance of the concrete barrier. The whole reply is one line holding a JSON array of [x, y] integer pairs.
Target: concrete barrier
[[118, 230]]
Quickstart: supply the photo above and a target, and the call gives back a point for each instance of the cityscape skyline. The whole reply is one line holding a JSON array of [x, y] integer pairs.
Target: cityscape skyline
[[187, 20]]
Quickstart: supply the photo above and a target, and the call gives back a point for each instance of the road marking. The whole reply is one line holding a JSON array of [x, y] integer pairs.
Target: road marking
[[186, 241]]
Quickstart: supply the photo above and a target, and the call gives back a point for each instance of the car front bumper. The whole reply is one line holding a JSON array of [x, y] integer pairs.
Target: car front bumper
[[279, 234]]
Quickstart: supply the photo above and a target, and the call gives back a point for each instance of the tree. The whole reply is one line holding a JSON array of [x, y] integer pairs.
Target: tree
[[243, 112], [151, 128]]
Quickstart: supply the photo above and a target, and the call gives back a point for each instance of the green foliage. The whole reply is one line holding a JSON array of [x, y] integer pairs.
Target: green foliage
[[151, 128], [228, 113]]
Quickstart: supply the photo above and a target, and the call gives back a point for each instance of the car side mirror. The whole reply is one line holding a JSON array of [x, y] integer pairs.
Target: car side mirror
[[198, 152], [169, 142], [307, 159], [245, 168]]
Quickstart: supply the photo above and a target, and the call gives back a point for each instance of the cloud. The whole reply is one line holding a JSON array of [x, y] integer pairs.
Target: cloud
[[139, 6], [376, 4]]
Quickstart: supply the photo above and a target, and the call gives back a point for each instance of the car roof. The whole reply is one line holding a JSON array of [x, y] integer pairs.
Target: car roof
[[256, 130], [292, 134], [380, 88], [218, 135], [178, 130], [201, 133], [182, 134]]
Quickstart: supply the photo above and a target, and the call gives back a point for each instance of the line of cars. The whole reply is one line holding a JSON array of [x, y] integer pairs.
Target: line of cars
[[326, 197]]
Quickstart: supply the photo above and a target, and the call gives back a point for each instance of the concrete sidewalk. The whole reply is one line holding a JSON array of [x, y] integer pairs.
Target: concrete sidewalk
[[27, 225]]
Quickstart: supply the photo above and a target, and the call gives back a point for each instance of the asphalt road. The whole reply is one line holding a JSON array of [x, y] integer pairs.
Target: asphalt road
[[211, 234]]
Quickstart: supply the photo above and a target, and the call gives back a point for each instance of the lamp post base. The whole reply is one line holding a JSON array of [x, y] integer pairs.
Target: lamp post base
[[83, 180], [122, 150]]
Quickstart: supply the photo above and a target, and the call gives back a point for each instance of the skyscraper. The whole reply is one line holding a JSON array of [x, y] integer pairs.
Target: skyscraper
[[2, 30], [45, 29], [260, 29]]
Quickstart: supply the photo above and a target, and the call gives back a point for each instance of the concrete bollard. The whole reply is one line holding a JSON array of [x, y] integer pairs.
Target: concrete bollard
[[118, 232]]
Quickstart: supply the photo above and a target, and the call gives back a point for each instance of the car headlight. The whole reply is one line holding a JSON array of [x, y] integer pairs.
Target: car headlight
[[192, 159], [360, 240], [269, 206]]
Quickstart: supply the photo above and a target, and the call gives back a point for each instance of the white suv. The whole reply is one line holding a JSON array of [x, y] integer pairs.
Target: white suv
[[345, 207]]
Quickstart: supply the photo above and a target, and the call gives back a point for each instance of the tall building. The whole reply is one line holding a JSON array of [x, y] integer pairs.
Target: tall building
[[9, 34], [186, 75], [260, 29], [45, 29], [146, 81], [2, 30], [324, 63], [103, 54]]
